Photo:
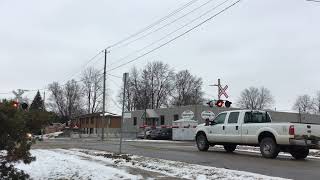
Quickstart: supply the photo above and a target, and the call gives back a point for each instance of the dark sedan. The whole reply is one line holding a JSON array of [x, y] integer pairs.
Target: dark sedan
[[162, 134]]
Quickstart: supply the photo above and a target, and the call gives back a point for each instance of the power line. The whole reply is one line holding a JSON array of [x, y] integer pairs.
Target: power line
[[166, 25], [137, 33], [153, 24], [186, 32], [169, 34]]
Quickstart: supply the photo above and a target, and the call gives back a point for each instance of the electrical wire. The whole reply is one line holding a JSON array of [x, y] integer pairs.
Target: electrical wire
[[153, 24], [169, 34], [165, 25], [177, 37]]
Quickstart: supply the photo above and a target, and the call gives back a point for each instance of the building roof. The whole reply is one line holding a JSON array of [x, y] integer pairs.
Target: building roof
[[98, 114], [151, 113]]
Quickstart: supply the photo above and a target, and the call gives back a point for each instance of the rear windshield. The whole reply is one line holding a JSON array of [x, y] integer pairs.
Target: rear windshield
[[257, 117]]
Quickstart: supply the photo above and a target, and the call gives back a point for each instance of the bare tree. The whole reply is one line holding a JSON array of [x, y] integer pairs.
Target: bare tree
[[316, 103], [157, 79], [149, 87], [187, 89], [57, 100], [255, 98], [303, 104], [66, 100], [92, 89]]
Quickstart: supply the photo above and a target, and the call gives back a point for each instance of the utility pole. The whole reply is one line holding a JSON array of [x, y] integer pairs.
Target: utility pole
[[125, 77], [219, 90], [104, 94], [145, 113], [219, 85]]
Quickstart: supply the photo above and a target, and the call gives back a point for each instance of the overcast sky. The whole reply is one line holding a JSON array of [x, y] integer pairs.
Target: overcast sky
[[267, 43]]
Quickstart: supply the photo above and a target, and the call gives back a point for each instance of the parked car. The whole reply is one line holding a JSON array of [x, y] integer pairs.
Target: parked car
[[255, 128], [141, 134], [162, 133]]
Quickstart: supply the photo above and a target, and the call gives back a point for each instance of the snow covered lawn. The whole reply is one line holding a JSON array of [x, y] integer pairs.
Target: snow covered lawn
[[90, 164]]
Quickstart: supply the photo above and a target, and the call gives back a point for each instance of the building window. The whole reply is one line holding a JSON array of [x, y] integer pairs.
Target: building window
[[92, 121], [176, 117], [87, 121], [134, 121], [162, 120]]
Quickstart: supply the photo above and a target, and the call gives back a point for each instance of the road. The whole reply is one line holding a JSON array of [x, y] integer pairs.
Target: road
[[283, 166]]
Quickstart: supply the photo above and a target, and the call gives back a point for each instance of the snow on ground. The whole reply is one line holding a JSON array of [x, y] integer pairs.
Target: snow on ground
[[90, 164], [53, 164]]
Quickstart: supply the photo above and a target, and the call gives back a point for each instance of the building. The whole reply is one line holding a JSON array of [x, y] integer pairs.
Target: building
[[92, 124], [54, 127], [165, 116]]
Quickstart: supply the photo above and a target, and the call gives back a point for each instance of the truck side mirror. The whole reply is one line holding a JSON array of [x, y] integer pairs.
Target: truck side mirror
[[207, 122]]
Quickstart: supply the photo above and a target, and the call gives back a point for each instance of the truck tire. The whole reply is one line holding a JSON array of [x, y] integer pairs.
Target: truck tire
[[299, 152], [269, 148], [202, 142], [230, 148]]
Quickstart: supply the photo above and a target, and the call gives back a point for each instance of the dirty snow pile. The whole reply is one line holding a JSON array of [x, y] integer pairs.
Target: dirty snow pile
[[55, 164], [180, 169], [89, 164]]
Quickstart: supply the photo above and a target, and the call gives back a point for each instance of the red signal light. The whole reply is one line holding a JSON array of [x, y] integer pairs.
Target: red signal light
[[219, 103], [15, 104]]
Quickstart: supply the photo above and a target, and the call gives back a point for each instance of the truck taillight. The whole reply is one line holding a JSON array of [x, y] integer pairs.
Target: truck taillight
[[291, 130]]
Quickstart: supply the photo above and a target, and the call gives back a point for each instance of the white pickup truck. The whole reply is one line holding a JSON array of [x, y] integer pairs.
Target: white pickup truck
[[254, 128]]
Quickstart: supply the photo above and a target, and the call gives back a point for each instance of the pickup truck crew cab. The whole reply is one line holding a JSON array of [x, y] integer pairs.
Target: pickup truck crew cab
[[255, 128]]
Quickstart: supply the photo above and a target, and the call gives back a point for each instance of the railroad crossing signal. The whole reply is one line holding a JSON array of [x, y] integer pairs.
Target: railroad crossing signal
[[222, 91]]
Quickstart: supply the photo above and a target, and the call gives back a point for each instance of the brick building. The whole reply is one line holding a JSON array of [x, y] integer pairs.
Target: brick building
[[91, 124]]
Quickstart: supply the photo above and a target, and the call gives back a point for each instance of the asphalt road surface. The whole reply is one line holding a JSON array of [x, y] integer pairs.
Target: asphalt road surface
[[283, 166]]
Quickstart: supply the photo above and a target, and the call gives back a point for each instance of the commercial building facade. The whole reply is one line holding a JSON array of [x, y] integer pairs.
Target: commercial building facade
[[165, 117]]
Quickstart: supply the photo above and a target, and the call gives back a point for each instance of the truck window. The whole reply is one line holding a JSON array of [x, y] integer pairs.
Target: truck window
[[256, 117], [233, 118], [220, 118]]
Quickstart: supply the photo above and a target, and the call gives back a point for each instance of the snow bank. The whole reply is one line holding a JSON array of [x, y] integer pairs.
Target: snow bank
[[91, 164], [54, 164], [178, 169]]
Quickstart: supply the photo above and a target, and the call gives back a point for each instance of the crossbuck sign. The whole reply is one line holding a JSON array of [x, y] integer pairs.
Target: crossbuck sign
[[222, 91]]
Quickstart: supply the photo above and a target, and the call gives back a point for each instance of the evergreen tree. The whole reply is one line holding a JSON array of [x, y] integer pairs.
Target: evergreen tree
[[37, 103], [14, 142]]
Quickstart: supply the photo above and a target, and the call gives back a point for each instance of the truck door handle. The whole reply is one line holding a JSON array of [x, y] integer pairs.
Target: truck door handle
[[223, 127], [237, 127]]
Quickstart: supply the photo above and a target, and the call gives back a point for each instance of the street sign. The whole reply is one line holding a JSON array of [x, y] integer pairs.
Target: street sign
[[222, 91], [187, 114]]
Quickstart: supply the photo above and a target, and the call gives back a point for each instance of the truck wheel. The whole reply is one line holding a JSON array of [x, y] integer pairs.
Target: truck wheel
[[230, 147], [202, 142], [299, 152], [269, 148]]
